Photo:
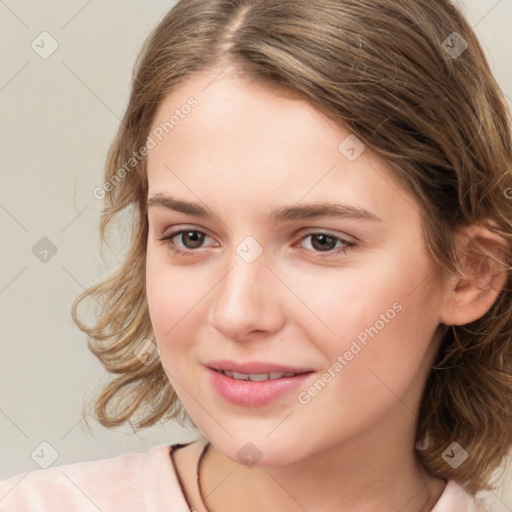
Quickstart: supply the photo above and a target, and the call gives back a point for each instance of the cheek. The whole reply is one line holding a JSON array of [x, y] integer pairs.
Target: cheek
[[177, 297], [374, 362], [168, 295], [384, 336], [382, 324], [389, 294]]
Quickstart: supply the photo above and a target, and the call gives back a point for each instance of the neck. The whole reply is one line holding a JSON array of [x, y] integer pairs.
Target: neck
[[375, 471]]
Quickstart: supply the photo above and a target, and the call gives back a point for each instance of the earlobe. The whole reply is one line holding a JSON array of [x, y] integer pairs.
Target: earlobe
[[472, 292]]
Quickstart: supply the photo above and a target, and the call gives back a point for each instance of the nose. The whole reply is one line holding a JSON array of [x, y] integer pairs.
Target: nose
[[248, 300]]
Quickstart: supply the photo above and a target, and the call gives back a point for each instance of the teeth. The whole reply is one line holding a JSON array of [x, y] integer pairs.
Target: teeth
[[257, 377], [240, 376]]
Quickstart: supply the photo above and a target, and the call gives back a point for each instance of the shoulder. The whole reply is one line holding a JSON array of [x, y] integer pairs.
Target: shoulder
[[456, 499], [135, 481]]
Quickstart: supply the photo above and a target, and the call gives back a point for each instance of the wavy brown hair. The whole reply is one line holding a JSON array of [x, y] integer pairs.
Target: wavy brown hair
[[384, 69]]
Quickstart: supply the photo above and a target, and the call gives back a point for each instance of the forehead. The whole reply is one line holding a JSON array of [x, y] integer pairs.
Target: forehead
[[232, 112], [262, 146]]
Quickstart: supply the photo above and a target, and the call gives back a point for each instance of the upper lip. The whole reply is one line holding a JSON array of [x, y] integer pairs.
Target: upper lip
[[255, 367]]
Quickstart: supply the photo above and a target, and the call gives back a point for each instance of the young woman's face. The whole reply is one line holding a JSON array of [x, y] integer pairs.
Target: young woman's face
[[298, 254]]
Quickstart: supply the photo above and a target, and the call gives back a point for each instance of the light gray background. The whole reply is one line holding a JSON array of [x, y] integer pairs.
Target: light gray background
[[58, 117]]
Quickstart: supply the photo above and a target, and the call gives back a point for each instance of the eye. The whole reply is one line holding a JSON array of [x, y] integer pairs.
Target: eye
[[327, 243], [189, 239]]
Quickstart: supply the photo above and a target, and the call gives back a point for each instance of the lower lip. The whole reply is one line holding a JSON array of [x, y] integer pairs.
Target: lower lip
[[254, 394]]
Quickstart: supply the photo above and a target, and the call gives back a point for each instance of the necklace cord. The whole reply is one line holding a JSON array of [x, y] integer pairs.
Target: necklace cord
[[199, 464]]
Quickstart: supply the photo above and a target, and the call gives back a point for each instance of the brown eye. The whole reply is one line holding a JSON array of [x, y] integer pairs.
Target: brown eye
[[192, 239], [323, 242], [184, 241]]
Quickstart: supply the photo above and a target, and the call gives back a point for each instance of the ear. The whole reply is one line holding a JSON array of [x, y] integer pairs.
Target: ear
[[481, 255]]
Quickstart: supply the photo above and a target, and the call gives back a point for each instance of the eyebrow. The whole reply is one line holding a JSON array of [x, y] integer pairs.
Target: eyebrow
[[285, 213]]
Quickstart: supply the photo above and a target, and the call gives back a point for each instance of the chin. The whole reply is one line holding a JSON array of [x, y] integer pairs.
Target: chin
[[257, 453]]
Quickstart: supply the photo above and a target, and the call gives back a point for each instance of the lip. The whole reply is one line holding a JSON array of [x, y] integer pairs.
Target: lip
[[248, 393], [255, 367]]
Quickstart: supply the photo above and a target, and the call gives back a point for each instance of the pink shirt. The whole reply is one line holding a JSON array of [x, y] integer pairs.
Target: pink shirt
[[138, 482]]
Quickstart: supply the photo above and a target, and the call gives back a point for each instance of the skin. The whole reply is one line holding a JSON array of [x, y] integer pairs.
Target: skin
[[244, 151]]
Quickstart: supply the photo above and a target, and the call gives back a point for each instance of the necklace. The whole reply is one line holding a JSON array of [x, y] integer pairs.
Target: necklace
[[199, 463]]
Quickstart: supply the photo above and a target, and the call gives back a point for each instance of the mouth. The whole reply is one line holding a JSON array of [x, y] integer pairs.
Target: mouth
[[257, 383]]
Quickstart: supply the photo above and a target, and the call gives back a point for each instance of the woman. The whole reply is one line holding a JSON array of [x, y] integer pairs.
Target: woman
[[318, 276]]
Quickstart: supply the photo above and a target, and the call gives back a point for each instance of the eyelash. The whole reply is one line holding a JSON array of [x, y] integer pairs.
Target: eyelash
[[347, 244]]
